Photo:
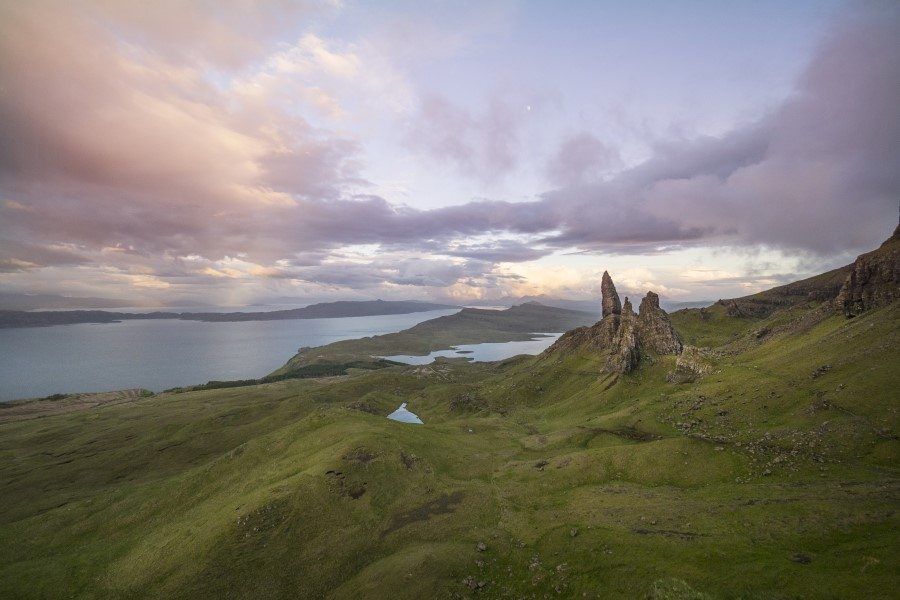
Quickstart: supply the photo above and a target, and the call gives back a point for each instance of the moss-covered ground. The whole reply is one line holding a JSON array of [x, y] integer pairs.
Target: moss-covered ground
[[775, 476]]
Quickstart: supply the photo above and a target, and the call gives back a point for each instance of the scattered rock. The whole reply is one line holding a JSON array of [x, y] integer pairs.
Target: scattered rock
[[409, 460], [364, 406], [359, 456], [573, 532], [481, 547], [467, 402], [820, 371]]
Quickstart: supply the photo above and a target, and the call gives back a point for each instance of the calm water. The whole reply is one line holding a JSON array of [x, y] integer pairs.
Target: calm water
[[157, 355], [484, 352], [403, 415]]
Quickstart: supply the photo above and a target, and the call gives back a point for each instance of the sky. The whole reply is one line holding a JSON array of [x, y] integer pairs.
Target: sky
[[235, 152]]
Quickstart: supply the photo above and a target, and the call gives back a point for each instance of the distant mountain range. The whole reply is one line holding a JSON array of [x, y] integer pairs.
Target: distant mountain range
[[366, 308], [591, 306]]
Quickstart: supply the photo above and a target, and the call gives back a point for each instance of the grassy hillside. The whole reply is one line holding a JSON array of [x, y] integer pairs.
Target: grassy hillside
[[468, 326], [773, 477]]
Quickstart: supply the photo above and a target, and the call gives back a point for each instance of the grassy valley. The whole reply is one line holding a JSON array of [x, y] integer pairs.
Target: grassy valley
[[772, 476]]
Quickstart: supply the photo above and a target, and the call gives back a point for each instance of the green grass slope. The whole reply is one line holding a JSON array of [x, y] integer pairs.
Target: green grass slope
[[468, 326], [775, 476]]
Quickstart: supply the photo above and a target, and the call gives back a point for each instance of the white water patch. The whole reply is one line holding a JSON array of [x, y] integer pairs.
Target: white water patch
[[486, 352], [404, 416]]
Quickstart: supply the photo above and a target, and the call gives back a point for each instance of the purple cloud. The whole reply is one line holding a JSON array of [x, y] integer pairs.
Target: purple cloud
[[139, 151]]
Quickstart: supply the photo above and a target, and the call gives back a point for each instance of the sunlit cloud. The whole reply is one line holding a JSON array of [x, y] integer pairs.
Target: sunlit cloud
[[174, 150]]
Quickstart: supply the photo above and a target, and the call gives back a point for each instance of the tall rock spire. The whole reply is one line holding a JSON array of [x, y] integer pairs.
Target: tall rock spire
[[622, 335], [610, 301]]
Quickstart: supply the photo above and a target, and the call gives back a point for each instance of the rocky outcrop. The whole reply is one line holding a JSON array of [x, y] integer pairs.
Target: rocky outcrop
[[624, 353], [609, 297], [809, 291], [692, 364], [874, 279], [655, 329], [623, 335]]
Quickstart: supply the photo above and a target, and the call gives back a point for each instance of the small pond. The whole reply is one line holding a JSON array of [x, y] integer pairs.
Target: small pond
[[404, 416]]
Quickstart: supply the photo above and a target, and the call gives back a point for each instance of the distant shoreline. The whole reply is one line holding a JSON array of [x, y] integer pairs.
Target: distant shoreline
[[326, 310]]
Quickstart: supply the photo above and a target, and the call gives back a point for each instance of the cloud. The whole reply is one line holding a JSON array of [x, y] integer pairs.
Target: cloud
[[105, 143], [820, 173], [502, 251], [231, 36], [22, 256], [122, 147], [484, 146], [581, 158]]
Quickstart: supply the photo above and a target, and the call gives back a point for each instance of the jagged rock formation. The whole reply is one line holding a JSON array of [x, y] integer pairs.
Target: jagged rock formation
[[874, 279], [655, 329], [609, 297], [624, 352], [621, 333]]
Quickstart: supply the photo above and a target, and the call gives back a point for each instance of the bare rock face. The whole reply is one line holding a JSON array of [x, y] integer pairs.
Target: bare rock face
[[692, 364], [610, 299], [625, 353], [598, 337], [621, 334], [655, 329], [874, 279]]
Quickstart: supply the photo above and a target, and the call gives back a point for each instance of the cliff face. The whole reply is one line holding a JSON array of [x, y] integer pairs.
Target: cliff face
[[622, 334], [874, 279]]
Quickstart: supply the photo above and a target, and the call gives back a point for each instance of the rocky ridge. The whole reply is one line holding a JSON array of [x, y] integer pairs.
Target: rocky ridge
[[624, 335], [874, 279]]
